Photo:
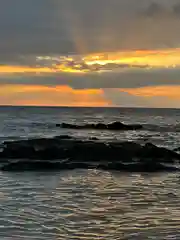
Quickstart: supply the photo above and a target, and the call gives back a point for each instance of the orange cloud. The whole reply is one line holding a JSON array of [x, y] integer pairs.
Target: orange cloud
[[51, 96], [89, 63], [10, 69], [172, 92], [37, 95], [23, 69], [153, 58]]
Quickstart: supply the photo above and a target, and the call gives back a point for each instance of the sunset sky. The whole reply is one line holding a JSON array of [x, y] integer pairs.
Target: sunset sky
[[90, 53]]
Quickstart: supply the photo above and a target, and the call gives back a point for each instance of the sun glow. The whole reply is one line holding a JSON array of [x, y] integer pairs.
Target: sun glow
[[161, 58], [63, 95], [154, 58]]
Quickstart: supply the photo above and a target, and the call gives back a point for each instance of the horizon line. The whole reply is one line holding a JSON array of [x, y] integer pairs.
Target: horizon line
[[51, 106]]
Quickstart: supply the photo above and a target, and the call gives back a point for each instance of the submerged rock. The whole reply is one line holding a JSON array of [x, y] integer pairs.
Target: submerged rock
[[121, 126], [42, 166], [54, 166], [148, 167], [151, 151], [101, 126], [177, 149]]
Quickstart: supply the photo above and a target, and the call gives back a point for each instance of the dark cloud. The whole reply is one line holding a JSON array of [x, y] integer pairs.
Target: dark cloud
[[59, 26], [162, 9], [124, 99], [124, 79], [154, 9], [176, 9]]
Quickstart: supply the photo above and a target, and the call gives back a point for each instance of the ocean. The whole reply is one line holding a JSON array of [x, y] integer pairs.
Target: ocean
[[90, 204]]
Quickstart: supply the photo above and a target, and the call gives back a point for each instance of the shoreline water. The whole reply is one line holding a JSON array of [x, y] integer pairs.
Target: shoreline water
[[90, 203]]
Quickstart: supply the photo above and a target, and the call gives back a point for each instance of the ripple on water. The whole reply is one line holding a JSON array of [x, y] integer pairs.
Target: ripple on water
[[89, 205]]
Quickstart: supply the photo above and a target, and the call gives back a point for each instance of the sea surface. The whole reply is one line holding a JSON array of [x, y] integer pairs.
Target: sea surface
[[90, 204]]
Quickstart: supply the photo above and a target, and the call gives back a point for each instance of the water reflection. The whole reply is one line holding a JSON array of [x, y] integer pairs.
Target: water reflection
[[89, 205]]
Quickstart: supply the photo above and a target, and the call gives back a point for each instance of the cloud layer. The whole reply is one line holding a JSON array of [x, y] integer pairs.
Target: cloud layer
[[56, 26], [165, 96], [35, 34], [127, 79]]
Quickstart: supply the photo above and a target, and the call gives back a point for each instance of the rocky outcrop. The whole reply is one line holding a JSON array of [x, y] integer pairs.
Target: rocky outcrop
[[177, 149], [116, 126], [66, 152], [146, 167], [151, 151], [27, 165]]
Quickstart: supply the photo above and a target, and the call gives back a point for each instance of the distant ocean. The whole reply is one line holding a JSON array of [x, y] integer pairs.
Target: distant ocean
[[90, 204]]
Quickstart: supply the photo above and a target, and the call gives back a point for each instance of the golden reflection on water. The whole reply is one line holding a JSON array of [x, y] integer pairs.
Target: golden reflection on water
[[90, 205]]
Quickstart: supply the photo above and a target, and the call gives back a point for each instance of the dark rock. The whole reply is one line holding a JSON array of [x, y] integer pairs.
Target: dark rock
[[31, 166], [43, 166], [153, 152], [18, 152], [138, 167], [99, 126], [54, 166], [177, 149], [150, 166], [93, 138], [63, 137], [70, 126], [115, 126], [87, 151], [131, 146], [121, 126]]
